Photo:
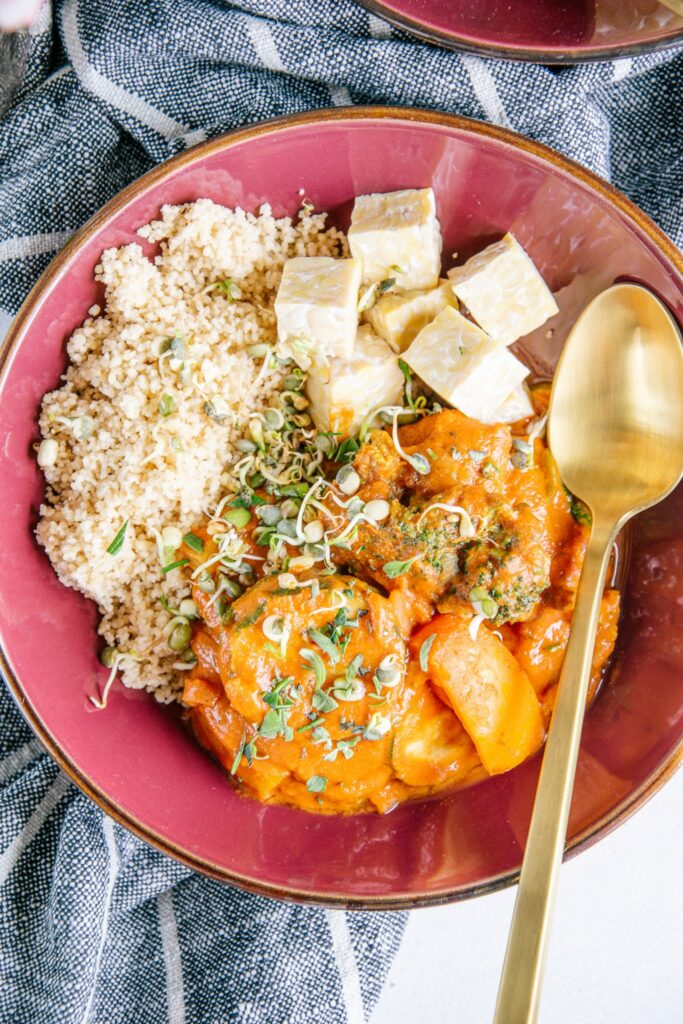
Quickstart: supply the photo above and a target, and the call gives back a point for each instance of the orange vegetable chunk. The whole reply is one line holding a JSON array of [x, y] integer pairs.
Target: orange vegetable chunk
[[487, 689]]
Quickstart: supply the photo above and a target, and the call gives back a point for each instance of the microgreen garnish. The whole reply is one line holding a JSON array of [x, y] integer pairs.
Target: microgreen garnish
[[314, 662], [117, 542], [377, 727], [320, 735], [354, 668], [166, 405], [252, 617], [276, 698], [175, 565], [238, 755], [226, 287], [580, 512], [238, 517], [347, 450], [246, 499], [311, 725], [386, 285], [194, 542], [483, 603], [322, 701], [394, 569], [272, 724], [325, 644], [316, 784], [408, 374], [424, 651]]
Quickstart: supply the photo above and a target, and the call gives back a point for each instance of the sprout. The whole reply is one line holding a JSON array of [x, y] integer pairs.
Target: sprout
[[466, 524], [348, 480], [206, 583], [80, 426], [313, 532], [418, 461], [349, 690], [217, 409], [483, 603], [274, 628], [180, 636], [273, 419], [388, 673], [474, 625], [377, 727], [301, 562], [112, 658], [377, 510]]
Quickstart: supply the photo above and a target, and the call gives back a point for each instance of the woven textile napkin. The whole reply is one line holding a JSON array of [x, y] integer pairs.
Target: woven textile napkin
[[95, 927]]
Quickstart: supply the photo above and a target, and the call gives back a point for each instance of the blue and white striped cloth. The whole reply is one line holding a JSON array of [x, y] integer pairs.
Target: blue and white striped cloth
[[95, 927]]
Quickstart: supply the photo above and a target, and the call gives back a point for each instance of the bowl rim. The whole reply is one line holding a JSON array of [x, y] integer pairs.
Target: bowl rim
[[14, 337], [577, 55]]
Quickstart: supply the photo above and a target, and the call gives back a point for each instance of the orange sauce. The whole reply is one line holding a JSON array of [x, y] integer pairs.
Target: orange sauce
[[358, 689]]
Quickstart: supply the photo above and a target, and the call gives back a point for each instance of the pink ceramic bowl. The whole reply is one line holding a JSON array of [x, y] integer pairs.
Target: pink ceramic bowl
[[135, 759], [548, 31]]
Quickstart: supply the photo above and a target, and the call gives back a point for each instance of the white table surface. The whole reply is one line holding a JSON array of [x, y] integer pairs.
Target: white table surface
[[617, 947]]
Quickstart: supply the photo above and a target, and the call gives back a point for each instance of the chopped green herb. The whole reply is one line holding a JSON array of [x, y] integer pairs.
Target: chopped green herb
[[272, 649], [117, 542], [580, 512], [246, 499], [476, 455], [325, 644], [386, 285], [271, 726], [311, 725], [408, 374], [315, 662], [346, 451], [394, 569], [551, 648], [175, 565], [238, 755], [166, 405], [316, 784], [194, 542], [239, 517], [322, 701], [226, 287], [252, 617], [424, 651], [354, 668], [293, 490], [321, 735], [346, 746]]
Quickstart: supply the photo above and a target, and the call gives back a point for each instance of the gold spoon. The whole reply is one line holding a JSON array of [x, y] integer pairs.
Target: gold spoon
[[616, 432]]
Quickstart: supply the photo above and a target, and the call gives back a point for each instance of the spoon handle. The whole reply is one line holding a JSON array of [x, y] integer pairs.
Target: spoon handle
[[520, 982]]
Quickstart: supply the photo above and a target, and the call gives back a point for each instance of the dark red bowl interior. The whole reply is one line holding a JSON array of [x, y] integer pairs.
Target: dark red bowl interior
[[551, 31], [135, 758]]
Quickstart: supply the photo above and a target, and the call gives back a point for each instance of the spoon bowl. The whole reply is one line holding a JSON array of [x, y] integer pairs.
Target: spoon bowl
[[616, 429]]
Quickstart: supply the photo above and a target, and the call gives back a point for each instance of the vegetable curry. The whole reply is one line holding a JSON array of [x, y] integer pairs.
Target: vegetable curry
[[422, 651]]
